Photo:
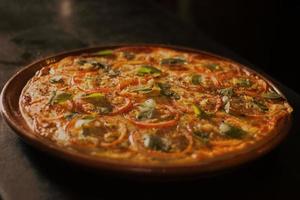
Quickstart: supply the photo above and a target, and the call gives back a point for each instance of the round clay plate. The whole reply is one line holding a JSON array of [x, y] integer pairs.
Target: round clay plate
[[11, 112]]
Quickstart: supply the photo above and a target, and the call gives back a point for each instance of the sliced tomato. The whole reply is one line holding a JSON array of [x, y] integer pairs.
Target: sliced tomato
[[86, 107], [84, 128], [210, 103], [243, 106], [77, 80], [98, 89], [123, 109], [243, 84], [138, 142], [162, 124], [133, 82], [125, 83]]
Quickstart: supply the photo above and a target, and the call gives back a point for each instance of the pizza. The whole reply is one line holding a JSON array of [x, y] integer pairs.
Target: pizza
[[153, 105]]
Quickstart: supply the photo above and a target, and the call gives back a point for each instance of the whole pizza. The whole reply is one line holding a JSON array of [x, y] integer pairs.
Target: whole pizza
[[152, 104]]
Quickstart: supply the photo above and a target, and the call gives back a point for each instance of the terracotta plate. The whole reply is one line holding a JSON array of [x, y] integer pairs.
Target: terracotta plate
[[10, 110]]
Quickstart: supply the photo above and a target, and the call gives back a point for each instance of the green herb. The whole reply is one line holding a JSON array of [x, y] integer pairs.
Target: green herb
[[148, 90], [232, 131], [166, 91], [53, 94], [91, 65], [212, 66], [261, 105], [148, 70], [98, 65], [173, 61], [196, 79], [56, 79], [94, 98], [156, 143], [271, 95], [202, 136], [226, 92], [146, 110], [242, 82], [105, 52], [199, 112], [104, 110], [101, 103], [58, 98], [81, 62], [196, 110], [70, 116], [128, 55]]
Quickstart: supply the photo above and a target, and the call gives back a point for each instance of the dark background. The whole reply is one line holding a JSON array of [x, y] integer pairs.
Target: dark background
[[266, 32]]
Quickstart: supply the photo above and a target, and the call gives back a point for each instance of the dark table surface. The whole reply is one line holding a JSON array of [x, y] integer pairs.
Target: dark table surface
[[31, 30]]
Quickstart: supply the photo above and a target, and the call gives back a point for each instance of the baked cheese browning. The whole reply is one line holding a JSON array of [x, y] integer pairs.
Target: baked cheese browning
[[152, 104]]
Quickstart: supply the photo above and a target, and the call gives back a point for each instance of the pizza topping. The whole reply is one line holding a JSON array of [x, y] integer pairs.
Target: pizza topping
[[163, 124], [144, 70], [245, 106], [261, 105], [210, 104], [89, 82], [226, 104], [69, 116], [107, 52], [142, 89], [202, 136], [212, 66], [107, 132], [57, 79], [152, 115], [196, 79], [123, 108], [156, 143], [166, 91], [113, 73], [94, 98], [146, 110], [200, 113], [91, 65], [59, 97], [128, 55], [97, 103], [173, 61], [271, 95], [226, 92], [163, 144], [242, 82], [81, 62], [151, 105], [231, 131]]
